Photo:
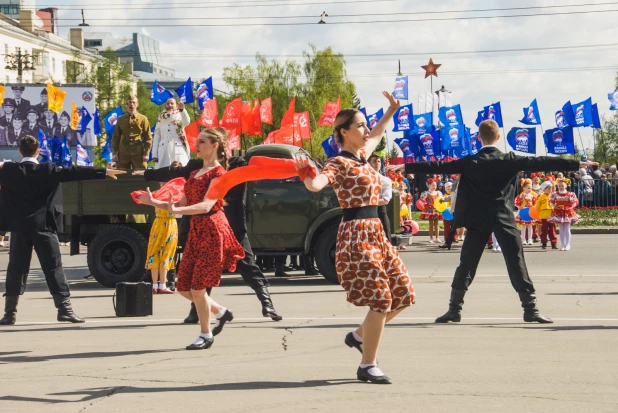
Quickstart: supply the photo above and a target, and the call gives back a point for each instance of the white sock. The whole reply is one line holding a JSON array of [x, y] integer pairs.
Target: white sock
[[357, 337], [221, 313], [374, 370], [523, 233], [161, 286], [206, 335], [202, 337]]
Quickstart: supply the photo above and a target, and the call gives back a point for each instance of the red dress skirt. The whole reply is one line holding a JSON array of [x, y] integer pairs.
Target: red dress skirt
[[211, 246]]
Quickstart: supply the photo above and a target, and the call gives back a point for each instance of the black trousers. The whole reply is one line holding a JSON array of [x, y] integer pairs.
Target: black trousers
[[386, 223], [47, 250], [248, 269], [509, 237]]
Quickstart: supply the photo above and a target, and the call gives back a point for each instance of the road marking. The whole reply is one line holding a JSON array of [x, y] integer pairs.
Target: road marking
[[179, 320]]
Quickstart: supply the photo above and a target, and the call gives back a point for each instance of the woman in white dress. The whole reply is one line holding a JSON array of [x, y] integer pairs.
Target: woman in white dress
[[170, 141]]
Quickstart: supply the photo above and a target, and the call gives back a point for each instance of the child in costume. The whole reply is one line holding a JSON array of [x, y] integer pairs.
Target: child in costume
[[564, 203], [548, 228], [447, 200], [526, 199], [431, 213]]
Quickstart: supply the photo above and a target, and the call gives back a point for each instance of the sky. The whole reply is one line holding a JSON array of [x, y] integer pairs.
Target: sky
[[530, 74]]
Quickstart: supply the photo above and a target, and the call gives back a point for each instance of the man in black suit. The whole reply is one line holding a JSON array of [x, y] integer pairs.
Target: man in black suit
[[485, 199], [235, 214], [29, 200]]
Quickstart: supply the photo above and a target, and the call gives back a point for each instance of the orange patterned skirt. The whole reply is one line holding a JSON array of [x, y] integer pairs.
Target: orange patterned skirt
[[369, 267]]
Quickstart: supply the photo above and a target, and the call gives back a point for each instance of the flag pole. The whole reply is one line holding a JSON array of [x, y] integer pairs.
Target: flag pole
[[581, 140], [504, 134], [543, 134]]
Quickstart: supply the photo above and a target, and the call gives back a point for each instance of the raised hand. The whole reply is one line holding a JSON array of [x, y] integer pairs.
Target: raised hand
[[138, 172], [395, 168], [393, 104], [146, 198], [170, 203], [181, 105]]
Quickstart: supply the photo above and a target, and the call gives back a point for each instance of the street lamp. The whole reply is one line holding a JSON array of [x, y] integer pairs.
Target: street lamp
[[19, 62]]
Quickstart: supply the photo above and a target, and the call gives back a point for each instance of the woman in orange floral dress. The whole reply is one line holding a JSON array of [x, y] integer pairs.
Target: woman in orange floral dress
[[368, 266]]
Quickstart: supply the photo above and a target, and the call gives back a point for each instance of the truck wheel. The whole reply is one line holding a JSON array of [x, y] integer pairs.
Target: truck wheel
[[117, 254], [325, 254]]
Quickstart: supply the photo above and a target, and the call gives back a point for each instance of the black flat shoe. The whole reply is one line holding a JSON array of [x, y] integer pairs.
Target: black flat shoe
[[205, 344], [364, 375], [228, 316], [352, 342], [537, 318], [69, 318], [269, 311]]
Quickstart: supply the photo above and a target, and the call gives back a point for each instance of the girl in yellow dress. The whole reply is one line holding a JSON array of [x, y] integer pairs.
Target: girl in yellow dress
[[161, 249]]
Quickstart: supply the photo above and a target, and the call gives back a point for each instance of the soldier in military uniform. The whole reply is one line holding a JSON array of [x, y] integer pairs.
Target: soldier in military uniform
[[21, 105], [9, 112], [41, 107], [32, 122], [16, 131], [48, 124], [132, 139]]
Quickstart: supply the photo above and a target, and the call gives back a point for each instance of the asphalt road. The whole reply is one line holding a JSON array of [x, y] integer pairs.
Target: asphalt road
[[491, 362]]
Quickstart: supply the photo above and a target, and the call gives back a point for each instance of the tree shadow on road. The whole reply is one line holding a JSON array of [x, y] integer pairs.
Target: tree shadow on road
[[102, 392], [24, 358]]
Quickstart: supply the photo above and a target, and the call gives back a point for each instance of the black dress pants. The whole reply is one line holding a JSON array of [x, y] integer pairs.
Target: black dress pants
[[386, 223], [509, 237], [47, 249], [248, 269]]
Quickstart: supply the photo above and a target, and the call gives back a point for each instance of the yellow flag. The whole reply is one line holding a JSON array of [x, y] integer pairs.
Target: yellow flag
[[75, 115], [55, 98], [1, 94]]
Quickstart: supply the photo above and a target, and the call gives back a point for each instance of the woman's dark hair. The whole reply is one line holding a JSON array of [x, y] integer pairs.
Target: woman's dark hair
[[344, 120]]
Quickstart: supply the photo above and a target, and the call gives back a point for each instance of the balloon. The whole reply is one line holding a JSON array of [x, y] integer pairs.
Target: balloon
[[447, 214], [535, 213], [404, 211], [414, 225], [420, 205], [260, 167], [439, 206], [524, 214], [176, 187]]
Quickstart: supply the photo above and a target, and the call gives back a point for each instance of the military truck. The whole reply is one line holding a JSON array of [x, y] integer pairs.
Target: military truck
[[283, 218]]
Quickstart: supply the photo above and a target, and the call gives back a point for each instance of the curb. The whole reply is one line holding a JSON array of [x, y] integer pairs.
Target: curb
[[589, 231]]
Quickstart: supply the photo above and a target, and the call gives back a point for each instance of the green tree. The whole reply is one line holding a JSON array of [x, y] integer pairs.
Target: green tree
[[325, 79], [393, 151], [606, 139]]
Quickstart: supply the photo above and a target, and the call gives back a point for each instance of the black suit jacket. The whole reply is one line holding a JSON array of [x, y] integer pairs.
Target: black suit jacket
[[68, 133], [31, 196], [235, 198], [13, 137], [487, 185], [50, 132]]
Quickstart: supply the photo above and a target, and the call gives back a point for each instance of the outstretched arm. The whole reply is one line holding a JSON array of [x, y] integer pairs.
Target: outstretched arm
[[378, 131], [170, 172], [547, 163], [454, 167]]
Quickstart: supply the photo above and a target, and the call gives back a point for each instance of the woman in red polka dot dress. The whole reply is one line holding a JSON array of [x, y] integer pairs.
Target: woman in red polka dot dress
[[368, 266], [211, 246]]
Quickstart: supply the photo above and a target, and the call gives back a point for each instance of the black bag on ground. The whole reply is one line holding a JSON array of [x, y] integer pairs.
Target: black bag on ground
[[133, 299]]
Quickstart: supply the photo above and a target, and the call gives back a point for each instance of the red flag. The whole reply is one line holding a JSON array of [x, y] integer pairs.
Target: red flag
[[246, 118], [302, 125], [288, 116], [257, 119], [285, 135], [266, 111], [231, 116], [210, 114], [269, 139], [233, 140], [192, 131], [329, 113]]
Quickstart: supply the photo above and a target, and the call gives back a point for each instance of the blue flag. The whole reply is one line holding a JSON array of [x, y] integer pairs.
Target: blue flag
[[185, 92], [464, 149], [85, 120], [475, 143], [596, 121], [66, 159], [560, 141], [402, 118], [152, 133], [159, 94], [583, 113], [401, 88], [490, 112], [331, 148], [110, 120], [522, 139], [408, 145], [423, 123], [565, 116], [44, 150], [364, 112], [429, 144], [204, 92], [56, 150], [613, 100], [531, 114], [97, 123], [106, 152], [450, 115], [374, 118], [82, 158], [453, 137]]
